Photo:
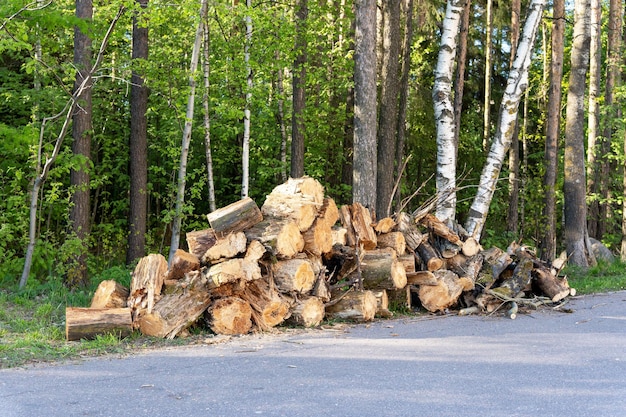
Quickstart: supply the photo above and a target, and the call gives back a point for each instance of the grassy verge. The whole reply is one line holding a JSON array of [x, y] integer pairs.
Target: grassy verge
[[32, 321]]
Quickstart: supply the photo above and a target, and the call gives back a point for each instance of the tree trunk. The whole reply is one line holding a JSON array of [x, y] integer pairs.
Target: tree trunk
[[553, 120], [404, 96], [245, 151], [365, 150], [594, 141], [207, 117], [516, 84], [459, 84], [182, 170], [574, 191], [138, 161], [81, 147], [299, 95], [488, 81], [444, 112], [388, 114]]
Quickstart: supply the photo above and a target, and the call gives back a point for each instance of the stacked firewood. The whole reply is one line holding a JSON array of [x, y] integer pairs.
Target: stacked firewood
[[299, 259]]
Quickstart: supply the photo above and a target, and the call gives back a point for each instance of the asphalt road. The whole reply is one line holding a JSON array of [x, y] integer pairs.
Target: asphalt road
[[545, 363]]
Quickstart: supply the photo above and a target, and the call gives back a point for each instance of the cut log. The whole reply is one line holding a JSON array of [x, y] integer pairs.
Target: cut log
[[235, 217], [146, 283], [470, 247], [394, 240], [408, 260], [299, 208], [178, 309], [318, 239], [199, 241], [380, 269], [232, 270], [412, 236], [87, 323], [307, 312], [227, 247], [269, 309], [429, 256], [281, 237], [499, 261], [385, 225], [464, 266], [340, 262], [230, 315], [339, 236], [518, 282], [421, 278], [306, 187], [110, 294], [182, 262], [445, 294], [441, 229], [553, 287], [382, 304], [295, 274], [359, 225], [400, 298], [353, 305], [255, 251]]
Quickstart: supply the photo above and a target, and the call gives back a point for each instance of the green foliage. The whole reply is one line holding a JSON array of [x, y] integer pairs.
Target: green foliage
[[602, 277]]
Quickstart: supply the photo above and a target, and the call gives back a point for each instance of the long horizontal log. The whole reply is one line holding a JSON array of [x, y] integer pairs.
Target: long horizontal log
[[87, 323]]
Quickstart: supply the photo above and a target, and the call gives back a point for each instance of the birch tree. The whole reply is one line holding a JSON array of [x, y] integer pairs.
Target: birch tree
[[207, 117], [182, 170], [245, 152], [444, 112], [517, 83]]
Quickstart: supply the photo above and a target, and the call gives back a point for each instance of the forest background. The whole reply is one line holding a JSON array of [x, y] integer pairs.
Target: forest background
[[275, 97]]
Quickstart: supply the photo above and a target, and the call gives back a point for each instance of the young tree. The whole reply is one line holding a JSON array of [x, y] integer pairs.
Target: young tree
[[299, 94], [365, 152], [138, 161], [488, 70], [444, 112], [81, 147], [182, 170], [459, 83], [245, 152], [574, 184], [553, 122], [207, 118], [517, 83], [388, 112]]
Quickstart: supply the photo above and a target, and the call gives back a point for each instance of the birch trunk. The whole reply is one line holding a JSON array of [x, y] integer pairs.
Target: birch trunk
[[207, 119], [182, 170], [245, 153], [516, 84], [444, 112], [594, 156]]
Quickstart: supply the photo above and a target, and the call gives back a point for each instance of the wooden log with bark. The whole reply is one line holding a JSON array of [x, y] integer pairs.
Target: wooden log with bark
[[555, 288], [235, 217], [382, 304], [307, 311], [230, 316], [318, 239], [380, 269], [177, 309], [110, 294], [146, 283], [87, 323], [385, 225], [298, 199], [438, 298], [429, 256], [394, 240], [226, 247], [358, 220], [269, 308], [294, 275], [199, 241], [182, 262], [421, 278], [230, 271], [281, 237], [352, 305], [412, 235]]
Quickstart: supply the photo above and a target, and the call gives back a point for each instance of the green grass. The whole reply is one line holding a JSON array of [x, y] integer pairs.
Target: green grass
[[603, 277], [32, 320]]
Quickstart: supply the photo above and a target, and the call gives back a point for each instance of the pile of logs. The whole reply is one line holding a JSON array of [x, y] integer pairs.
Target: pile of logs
[[300, 259]]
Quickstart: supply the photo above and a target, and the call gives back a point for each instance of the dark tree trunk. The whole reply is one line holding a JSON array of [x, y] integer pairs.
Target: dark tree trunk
[[388, 122], [512, 219], [138, 145], [548, 240], [365, 152], [299, 97], [459, 83], [81, 146]]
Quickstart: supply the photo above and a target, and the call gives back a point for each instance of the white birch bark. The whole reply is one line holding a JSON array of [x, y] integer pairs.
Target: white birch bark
[[207, 119], [182, 169], [444, 112], [516, 85], [245, 152]]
